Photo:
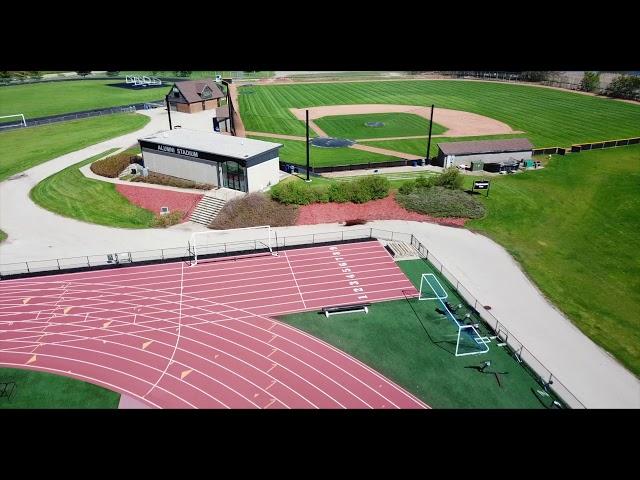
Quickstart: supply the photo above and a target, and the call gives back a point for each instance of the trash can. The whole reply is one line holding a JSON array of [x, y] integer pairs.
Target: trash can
[[414, 163]]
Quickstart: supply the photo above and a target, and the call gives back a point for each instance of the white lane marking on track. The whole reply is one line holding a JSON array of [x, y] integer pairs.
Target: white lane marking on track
[[294, 279]]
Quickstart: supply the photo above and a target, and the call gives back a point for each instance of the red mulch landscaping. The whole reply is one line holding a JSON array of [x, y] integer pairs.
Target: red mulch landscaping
[[384, 209], [154, 198]]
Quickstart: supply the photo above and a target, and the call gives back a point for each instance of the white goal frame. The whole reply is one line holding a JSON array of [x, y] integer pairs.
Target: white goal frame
[[23, 122], [427, 279], [193, 243]]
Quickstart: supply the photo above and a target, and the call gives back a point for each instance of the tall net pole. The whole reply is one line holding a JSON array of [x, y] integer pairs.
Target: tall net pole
[[307, 116], [429, 141]]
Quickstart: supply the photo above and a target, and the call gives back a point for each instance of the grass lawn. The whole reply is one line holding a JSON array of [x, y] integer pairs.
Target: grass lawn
[[548, 117], [395, 125], [52, 98], [413, 345], [28, 147], [574, 227], [294, 152], [47, 390], [71, 194], [418, 146], [395, 179]]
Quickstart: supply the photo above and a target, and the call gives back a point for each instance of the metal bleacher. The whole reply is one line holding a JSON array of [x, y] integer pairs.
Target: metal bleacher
[[142, 80]]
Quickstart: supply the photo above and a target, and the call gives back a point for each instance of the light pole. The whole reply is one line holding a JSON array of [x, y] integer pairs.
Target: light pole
[[166, 98]]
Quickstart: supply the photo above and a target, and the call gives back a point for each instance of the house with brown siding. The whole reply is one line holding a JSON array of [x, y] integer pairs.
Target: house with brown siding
[[193, 96]]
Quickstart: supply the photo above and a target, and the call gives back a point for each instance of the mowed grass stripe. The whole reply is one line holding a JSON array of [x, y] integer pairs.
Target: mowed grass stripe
[[69, 193], [394, 125], [549, 117]]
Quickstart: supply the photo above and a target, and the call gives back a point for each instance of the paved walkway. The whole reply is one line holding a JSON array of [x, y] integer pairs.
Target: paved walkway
[[482, 266]]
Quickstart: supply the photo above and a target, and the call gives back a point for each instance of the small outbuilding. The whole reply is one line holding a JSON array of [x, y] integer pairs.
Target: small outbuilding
[[221, 160], [452, 154], [193, 96]]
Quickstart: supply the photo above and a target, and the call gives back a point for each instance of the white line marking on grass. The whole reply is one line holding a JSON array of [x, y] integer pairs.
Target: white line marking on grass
[[294, 279]]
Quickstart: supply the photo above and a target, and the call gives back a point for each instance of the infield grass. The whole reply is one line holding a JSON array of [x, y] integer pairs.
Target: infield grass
[[395, 125], [47, 390], [548, 117], [28, 147], [71, 194], [574, 226], [409, 342]]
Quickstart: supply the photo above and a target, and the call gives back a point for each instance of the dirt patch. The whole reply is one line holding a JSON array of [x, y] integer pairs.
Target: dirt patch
[[153, 198], [457, 122], [383, 209]]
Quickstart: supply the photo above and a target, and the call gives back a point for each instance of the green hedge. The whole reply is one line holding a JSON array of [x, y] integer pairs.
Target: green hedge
[[450, 178], [360, 190], [439, 201]]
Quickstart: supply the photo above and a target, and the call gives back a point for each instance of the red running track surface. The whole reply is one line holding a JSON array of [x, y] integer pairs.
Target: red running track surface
[[178, 336]]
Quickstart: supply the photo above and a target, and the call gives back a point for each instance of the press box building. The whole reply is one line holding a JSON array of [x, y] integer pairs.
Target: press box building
[[207, 157]]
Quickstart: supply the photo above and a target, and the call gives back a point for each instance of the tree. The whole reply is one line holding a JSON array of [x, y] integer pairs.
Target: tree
[[624, 86], [590, 81], [84, 73], [182, 73]]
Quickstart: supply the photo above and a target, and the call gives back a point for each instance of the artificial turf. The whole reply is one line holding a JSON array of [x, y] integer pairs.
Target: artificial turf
[[28, 147], [574, 228], [411, 343], [394, 125], [45, 390], [71, 194], [548, 117]]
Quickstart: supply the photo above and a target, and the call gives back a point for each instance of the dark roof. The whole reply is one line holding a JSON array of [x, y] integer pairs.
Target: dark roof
[[486, 146], [192, 89]]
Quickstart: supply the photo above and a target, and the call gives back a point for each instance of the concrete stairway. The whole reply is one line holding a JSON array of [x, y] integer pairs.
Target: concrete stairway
[[206, 210]]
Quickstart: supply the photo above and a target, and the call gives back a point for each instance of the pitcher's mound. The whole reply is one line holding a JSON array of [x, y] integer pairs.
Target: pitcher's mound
[[374, 124], [328, 142]]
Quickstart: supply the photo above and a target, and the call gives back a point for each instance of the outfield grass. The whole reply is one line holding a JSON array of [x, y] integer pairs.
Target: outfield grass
[[395, 125], [52, 98], [418, 146], [574, 227], [413, 345], [28, 147], [548, 117], [294, 152], [71, 194], [46, 390]]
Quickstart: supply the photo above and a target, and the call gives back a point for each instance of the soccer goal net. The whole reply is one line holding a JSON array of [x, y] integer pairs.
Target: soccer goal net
[[468, 339], [234, 240], [7, 121]]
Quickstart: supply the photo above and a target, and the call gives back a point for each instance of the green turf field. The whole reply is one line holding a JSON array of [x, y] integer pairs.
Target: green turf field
[[46, 390], [413, 345], [395, 125], [71, 194], [418, 146], [294, 151], [548, 117], [52, 98], [574, 227], [28, 147]]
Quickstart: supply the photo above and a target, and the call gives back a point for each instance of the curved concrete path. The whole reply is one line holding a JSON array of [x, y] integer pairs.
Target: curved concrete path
[[481, 265]]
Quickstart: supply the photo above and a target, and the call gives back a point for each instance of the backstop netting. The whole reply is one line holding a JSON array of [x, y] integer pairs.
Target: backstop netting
[[246, 240], [468, 339]]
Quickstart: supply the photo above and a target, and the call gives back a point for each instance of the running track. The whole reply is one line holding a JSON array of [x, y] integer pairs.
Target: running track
[[178, 336]]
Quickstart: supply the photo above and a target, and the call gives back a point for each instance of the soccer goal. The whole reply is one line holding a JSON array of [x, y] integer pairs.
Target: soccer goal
[[234, 240], [468, 340], [19, 120]]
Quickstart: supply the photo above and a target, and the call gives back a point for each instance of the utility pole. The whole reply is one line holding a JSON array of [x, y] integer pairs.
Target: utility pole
[[168, 111], [429, 141], [307, 114]]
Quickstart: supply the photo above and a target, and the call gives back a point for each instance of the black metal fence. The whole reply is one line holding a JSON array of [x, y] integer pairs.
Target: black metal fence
[[607, 144], [294, 168]]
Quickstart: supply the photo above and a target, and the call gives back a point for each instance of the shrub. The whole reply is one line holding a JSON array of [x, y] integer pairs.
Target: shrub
[[623, 86], [340, 192], [590, 81], [439, 201], [299, 193], [161, 179], [450, 178], [111, 166], [374, 186], [254, 210], [355, 221], [172, 218]]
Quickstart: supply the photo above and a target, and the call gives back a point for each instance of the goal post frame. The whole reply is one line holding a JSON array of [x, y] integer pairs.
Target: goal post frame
[[424, 279], [194, 245], [21, 115]]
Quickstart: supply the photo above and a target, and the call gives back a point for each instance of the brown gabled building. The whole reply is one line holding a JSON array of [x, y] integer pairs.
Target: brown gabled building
[[194, 96]]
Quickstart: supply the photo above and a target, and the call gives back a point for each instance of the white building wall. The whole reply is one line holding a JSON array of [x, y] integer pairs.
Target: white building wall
[[188, 169], [491, 157], [264, 174]]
